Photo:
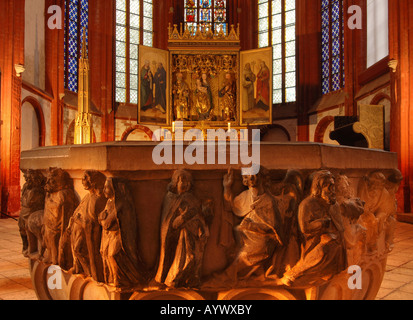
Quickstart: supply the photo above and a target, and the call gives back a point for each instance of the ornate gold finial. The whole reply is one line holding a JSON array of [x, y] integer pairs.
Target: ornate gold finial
[[187, 35], [83, 123], [84, 48]]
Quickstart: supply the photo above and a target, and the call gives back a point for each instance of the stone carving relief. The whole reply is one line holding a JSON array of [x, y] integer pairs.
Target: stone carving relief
[[378, 192], [121, 260], [260, 232], [31, 214], [299, 233], [322, 228], [60, 204], [184, 234], [84, 228]]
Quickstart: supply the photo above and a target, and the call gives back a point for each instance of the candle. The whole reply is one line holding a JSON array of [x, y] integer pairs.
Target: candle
[[173, 127], [229, 126]]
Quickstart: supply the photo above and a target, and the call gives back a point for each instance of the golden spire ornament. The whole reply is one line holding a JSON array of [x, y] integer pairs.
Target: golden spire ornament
[[83, 126]]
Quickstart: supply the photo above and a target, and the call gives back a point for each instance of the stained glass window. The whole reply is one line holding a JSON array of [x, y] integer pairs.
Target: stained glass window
[[134, 26], [76, 21], [276, 27], [332, 45], [206, 15]]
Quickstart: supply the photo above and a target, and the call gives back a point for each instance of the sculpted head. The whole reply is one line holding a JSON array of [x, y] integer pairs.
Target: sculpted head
[[108, 189], [181, 182], [34, 178], [324, 186], [93, 180], [57, 180], [343, 188], [376, 181], [261, 179]]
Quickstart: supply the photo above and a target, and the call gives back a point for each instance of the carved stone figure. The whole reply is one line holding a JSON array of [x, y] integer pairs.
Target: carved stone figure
[[392, 185], [288, 195], [380, 207], [119, 243], [351, 209], [260, 231], [184, 234], [85, 230], [321, 225], [32, 200], [60, 205]]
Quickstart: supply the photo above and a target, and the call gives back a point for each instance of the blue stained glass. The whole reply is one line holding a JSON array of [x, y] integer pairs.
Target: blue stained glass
[[325, 35], [326, 69], [335, 11], [326, 86], [325, 18], [78, 12], [326, 52], [336, 46], [336, 65], [206, 3], [336, 82], [332, 36], [336, 29]]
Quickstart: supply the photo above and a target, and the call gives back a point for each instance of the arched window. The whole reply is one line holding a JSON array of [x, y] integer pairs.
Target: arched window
[[207, 14], [332, 45], [134, 26], [276, 26], [76, 20]]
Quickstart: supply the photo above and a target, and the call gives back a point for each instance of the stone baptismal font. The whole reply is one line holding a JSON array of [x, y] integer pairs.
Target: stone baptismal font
[[109, 221], [104, 222]]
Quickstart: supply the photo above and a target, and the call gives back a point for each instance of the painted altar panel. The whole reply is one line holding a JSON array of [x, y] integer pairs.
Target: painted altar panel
[[256, 87], [153, 86]]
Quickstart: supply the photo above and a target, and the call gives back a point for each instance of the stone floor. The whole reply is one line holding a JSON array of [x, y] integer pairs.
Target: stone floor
[[15, 282]]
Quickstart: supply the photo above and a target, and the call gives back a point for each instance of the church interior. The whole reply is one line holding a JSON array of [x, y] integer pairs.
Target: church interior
[[330, 59], [334, 63]]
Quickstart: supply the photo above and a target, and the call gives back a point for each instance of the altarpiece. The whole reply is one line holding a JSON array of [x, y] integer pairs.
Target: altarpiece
[[205, 80]]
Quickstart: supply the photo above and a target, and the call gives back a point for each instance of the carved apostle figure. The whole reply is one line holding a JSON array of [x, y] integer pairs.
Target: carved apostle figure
[[119, 243], [324, 253], [184, 234], [60, 205], [85, 229], [379, 208], [351, 209], [260, 231], [288, 195], [32, 200], [394, 181]]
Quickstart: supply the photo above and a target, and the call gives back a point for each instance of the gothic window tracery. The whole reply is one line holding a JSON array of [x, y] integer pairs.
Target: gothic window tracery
[[277, 28], [134, 26]]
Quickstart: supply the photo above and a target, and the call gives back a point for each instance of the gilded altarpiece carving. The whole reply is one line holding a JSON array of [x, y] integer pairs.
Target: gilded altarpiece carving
[[205, 84]]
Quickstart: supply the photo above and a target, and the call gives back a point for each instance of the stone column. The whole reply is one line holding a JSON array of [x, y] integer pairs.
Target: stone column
[[11, 66], [401, 56]]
